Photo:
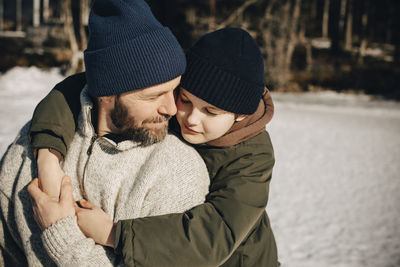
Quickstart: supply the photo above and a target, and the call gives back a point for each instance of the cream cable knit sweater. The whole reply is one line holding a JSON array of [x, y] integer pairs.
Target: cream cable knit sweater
[[125, 180]]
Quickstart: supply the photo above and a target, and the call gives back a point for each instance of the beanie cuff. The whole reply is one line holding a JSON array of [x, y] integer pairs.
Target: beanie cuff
[[219, 87], [149, 59]]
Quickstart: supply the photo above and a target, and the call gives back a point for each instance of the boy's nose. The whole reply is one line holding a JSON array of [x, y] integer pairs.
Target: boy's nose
[[193, 117]]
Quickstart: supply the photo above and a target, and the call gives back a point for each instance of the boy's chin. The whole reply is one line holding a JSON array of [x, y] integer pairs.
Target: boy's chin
[[192, 139]]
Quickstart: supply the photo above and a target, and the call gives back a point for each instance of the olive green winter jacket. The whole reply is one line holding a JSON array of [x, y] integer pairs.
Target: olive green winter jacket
[[230, 229]]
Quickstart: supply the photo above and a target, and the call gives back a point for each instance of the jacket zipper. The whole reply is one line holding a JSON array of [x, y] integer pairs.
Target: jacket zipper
[[89, 153]]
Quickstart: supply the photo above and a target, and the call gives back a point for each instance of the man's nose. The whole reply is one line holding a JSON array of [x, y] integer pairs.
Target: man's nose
[[168, 106]]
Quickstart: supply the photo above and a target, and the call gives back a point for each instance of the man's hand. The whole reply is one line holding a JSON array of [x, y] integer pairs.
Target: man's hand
[[95, 223], [46, 209]]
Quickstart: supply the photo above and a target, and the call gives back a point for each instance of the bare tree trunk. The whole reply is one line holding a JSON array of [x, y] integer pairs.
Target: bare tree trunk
[[363, 45], [314, 9], [279, 70], [18, 12], [82, 23], [1, 15], [293, 40], [86, 12], [349, 27], [280, 34], [45, 11], [334, 30], [343, 5], [36, 13], [396, 34], [69, 30], [325, 19], [307, 44], [213, 8]]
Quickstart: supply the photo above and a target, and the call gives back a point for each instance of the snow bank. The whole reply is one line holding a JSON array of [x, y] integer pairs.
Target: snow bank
[[20, 90]]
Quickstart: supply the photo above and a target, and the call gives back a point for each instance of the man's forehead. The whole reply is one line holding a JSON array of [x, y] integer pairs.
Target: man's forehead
[[155, 90]]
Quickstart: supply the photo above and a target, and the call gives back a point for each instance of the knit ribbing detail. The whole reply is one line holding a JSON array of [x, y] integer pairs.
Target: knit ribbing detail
[[147, 60], [60, 236]]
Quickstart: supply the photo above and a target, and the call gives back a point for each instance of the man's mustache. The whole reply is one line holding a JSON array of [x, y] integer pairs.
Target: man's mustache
[[158, 119]]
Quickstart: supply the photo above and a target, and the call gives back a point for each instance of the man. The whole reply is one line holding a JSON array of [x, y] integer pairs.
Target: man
[[121, 157]]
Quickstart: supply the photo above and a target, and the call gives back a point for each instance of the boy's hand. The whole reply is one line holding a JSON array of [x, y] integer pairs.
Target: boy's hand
[[49, 171], [46, 209], [95, 223]]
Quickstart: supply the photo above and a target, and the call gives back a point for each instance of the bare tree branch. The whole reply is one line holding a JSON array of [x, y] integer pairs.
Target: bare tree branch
[[236, 14]]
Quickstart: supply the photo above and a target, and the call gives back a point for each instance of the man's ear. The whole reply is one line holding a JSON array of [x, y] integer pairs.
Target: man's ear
[[106, 99], [106, 102], [241, 117]]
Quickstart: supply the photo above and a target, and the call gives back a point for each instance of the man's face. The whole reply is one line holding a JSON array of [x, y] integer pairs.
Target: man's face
[[143, 115]]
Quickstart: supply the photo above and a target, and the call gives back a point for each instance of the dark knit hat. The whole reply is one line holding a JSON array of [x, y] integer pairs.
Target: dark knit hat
[[129, 49], [226, 69]]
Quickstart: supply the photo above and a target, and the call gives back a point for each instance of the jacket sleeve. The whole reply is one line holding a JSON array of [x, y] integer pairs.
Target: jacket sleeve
[[208, 234], [55, 117]]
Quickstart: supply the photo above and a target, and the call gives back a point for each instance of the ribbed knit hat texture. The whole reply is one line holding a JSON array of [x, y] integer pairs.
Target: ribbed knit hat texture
[[226, 69], [128, 49]]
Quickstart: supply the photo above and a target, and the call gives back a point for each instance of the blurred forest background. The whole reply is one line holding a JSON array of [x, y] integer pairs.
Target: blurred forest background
[[308, 45]]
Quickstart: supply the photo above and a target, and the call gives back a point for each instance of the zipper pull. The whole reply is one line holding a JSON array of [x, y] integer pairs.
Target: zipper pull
[[89, 151]]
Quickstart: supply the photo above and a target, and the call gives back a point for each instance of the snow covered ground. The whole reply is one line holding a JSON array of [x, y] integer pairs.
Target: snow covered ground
[[335, 196], [20, 90], [335, 193]]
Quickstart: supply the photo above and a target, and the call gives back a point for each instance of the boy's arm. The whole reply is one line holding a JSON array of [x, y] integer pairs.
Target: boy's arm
[[52, 129], [49, 171], [208, 234], [55, 117]]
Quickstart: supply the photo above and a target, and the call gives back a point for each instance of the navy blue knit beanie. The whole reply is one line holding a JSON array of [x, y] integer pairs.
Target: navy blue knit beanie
[[129, 49], [226, 69]]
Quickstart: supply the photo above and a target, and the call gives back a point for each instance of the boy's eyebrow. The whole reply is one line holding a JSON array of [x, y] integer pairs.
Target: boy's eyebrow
[[215, 109], [209, 106]]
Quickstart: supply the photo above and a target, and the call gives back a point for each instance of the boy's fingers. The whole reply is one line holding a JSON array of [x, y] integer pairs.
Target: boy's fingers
[[66, 191], [77, 209], [86, 204]]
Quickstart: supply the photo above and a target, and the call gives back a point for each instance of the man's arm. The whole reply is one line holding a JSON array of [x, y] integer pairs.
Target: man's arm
[[22, 237], [11, 253], [62, 238]]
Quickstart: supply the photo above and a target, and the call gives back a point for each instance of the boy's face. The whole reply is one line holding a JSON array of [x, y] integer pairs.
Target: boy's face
[[200, 121]]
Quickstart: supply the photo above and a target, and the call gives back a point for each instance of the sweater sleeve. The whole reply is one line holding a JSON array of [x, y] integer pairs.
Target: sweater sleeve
[[209, 233], [68, 246], [55, 117]]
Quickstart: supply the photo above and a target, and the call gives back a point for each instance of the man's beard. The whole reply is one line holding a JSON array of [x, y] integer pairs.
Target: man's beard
[[129, 130]]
